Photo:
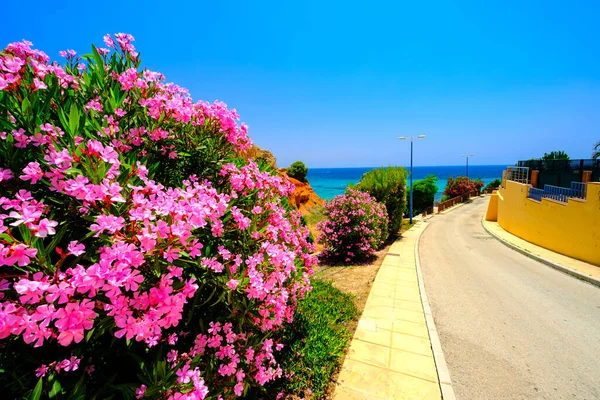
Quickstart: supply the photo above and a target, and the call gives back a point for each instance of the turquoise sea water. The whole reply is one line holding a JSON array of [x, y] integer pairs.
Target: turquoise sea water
[[329, 182]]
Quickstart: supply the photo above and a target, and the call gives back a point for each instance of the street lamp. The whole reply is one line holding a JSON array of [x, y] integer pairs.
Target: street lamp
[[467, 156], [411, 138]]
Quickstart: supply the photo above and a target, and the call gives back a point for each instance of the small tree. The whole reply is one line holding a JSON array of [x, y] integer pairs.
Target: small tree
[[493, 184], [556, 155], [596, 153], [298, 171]]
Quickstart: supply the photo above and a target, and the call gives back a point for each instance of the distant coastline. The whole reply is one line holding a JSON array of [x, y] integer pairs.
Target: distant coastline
[[330, 182]]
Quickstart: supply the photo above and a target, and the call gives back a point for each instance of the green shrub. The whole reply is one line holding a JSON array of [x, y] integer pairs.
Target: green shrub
[[298, 171], [493, 184], [316, 340], [387, 186], [424, 193]]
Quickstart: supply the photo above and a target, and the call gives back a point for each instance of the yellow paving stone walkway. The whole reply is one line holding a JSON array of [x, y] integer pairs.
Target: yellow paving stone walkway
[[390, 356]]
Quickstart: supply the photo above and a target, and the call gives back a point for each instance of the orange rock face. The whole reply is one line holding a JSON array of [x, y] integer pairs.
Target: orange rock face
[[304, 197]]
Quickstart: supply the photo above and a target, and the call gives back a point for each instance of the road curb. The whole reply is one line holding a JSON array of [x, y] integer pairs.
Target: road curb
[[438, 355], [563, 268]]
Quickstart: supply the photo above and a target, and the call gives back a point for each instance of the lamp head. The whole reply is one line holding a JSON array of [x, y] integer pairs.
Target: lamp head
[[421, 136], [402, 138]]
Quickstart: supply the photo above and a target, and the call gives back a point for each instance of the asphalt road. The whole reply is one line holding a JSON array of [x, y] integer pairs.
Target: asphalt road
[[510, 327]]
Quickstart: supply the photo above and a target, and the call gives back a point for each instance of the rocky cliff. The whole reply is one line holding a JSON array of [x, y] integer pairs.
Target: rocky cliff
[[304, 197]]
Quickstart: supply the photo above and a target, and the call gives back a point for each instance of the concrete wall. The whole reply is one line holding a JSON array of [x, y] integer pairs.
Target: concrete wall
[[572, 228]]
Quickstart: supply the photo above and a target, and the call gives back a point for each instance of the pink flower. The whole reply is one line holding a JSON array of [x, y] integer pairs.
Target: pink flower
[[172, 356], [38, 84], [139, 392], [45, 228], [41, 371], [32, 172], [5, 174], [19, 254], [233, 284], [94, 105], [108, 41], [73, 320], [28, 215], [108, 223], [76, 248]]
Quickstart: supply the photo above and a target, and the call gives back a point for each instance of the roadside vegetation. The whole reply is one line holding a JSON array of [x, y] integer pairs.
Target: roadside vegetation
[[424, 193], [356, 226], [316, 341], [387, 186], [459, 186], [141, 256]]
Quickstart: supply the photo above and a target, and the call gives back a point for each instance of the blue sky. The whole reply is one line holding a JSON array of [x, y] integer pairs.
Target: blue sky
[[335, 83]]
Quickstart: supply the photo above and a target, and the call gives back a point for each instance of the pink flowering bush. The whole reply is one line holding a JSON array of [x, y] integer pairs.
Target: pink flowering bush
[[355, 227], [139, 255], [461, 185]]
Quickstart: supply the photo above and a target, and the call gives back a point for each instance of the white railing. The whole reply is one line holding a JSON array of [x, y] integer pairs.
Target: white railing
[[516, 174]]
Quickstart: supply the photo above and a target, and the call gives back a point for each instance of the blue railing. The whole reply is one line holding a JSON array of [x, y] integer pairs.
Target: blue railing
[[578, 190], [535, 194], [557, 193]]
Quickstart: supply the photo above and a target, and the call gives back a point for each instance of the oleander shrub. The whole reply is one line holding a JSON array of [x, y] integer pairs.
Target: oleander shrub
[[140, 256], [356, 226], [298, 171], [461, 185], [387, 185], [424, 193]]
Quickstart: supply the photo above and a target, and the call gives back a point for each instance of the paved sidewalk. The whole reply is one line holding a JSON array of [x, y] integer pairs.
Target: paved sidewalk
[[390, 356], [577, 268]]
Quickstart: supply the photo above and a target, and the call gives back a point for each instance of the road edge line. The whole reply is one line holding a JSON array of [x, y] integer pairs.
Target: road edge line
[[562, 268], [441, 367]]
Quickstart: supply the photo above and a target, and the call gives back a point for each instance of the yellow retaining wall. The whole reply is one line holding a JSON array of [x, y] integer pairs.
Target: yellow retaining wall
[[492, 211], [572, 228]]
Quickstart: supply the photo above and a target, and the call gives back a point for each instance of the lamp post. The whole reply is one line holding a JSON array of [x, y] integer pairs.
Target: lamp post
[[467, 156], [411, 138]]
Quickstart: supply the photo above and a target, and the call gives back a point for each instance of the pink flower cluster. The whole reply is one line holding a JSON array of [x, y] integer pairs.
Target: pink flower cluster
[[356, 226], [144, 253]]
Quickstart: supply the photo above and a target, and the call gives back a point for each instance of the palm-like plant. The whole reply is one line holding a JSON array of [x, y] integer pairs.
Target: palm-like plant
[[596, 153]]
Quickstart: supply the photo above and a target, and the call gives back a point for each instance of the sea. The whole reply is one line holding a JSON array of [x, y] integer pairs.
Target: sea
[[330, 182]]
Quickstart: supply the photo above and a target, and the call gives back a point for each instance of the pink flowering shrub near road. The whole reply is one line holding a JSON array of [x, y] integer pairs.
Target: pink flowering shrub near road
[[139, 256], [356, 226]]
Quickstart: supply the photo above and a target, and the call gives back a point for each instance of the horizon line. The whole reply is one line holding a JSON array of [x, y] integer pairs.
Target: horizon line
[[420, 166]]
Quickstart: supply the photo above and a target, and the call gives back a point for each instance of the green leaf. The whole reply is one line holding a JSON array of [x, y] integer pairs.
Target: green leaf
[[56, 390], [25, 106], [63, 118], [88, 334], [37, 391], [74, 119], [99, 61]]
